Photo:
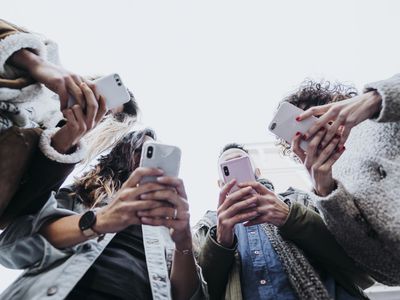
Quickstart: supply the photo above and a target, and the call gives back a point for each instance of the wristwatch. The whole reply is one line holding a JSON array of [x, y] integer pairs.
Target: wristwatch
[[86, 222]]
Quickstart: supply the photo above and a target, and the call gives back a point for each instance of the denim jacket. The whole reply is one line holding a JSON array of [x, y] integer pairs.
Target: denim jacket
[[51, 273]]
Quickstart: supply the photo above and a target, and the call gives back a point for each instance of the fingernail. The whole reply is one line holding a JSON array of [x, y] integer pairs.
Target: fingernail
[[298, 119], [298, 133], [304, 137], [343, 148]]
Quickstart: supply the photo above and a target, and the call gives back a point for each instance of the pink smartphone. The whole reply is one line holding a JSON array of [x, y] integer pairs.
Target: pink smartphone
[[239, 169], [285, 126]]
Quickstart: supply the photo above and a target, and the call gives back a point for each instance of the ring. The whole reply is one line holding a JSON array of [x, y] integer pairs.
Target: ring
[[175, 214]]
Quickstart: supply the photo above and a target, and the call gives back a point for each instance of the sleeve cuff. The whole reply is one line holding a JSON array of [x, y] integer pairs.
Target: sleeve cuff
[[51, 153], [18, 41], [389, 90]]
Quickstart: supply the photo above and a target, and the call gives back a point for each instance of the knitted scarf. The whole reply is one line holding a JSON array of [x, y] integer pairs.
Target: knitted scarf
[[302, 276]]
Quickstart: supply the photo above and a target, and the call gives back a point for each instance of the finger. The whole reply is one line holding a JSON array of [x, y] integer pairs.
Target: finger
[[328, 151], [313, 111], [170, 223], [312, 149], [101, 111], [78, 80], [244, 217], [64, 96], [80, 118], [161, 212], [332, 130], [150, 187], [256, 186], [322, 122], [330, 162], [91, 105], [69, 115], [225, 191], [137, 175], [296, 147], [239, 194], [137, 206], [165, 195], [75, 91], [177, 183], [241, 206], [344, 136]]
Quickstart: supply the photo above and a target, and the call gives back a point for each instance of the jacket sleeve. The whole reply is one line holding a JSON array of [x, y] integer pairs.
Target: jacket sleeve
[[21, 245], [357, 237], [389, 90], [211, 255], [306, 228], [46, 173], [12, 39]]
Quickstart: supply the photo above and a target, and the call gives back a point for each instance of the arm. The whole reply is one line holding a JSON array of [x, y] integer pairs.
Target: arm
[[214, 254], [307, 229]]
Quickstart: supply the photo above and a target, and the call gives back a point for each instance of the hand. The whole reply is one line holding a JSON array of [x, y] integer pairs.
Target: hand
[[270, 208], [235, 208], [174, 214], [77, 122], [344, 115], [54, 77], [122, 211], [319, 161]]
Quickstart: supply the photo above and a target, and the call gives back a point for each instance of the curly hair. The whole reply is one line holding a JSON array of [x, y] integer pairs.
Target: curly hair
[[312, 93], [112, 170]]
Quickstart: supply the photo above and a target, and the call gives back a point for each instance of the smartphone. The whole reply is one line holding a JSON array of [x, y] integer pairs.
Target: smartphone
[[238, 168], [111, 88], [157, 155], [285, 126]]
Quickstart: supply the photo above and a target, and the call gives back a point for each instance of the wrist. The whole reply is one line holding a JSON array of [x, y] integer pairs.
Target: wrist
[[100, 226], [375, 102], [225, 239]]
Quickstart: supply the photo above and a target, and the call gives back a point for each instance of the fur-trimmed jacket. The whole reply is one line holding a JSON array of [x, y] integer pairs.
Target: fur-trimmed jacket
[[25, 103], [363, 212]]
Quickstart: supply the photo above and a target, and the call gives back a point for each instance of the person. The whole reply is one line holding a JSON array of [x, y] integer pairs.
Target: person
[[253, 239], [101, 237], [33, 133], [359, 197]]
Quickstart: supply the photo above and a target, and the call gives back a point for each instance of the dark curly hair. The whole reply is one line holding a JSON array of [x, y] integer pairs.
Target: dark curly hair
[[112, 170], [314, 93]]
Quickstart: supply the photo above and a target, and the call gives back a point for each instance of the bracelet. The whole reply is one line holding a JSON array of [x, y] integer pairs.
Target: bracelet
[[184, 251]]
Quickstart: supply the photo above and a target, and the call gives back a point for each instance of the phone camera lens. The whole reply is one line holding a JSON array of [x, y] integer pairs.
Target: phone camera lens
[[119, 83], [226, 171], [273, 126], [149, 152]]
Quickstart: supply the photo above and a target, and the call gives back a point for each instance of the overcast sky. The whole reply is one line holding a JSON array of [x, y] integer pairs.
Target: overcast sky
[[210, 72]]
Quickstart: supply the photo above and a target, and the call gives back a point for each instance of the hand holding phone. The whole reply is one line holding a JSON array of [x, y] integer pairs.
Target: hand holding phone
[[111, 88], [285, 126], [161, 156]]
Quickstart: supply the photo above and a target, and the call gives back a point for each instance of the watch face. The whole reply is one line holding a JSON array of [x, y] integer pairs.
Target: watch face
[[87, 220]]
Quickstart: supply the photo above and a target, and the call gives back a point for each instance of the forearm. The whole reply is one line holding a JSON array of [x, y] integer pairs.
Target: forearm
[[184, 278], [25, 59], [64, 232]]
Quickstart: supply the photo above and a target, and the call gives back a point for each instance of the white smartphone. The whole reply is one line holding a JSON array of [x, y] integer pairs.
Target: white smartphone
[[157, 155], [111, 88], [238, 168], [285, 126]]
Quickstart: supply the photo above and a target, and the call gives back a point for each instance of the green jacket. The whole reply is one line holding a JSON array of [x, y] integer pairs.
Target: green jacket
[[304, 226]]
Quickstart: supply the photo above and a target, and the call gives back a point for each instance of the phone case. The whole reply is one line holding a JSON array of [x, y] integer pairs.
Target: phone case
[[285, 126], [165, 157], [239, 169], [112, 89]]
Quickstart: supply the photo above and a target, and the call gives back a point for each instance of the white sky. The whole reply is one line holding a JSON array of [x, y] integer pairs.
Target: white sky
[[210, 72]]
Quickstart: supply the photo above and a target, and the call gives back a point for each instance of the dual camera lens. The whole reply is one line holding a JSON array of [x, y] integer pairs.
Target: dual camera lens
[[149, 152], [118, 80], [226, 171]]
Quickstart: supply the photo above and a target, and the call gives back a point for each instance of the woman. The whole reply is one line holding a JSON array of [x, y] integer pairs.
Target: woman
[[87, 241], [360, 198]]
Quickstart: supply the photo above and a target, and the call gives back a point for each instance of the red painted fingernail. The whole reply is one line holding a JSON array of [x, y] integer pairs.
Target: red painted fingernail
[[304, 137], [342, 148], [298, 133], [298, 119]]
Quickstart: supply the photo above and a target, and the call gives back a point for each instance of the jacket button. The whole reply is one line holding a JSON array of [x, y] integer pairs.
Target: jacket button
[[382, 172], [52, 290]]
